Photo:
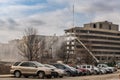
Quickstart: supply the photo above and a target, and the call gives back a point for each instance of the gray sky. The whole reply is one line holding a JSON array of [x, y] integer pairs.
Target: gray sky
[[52, 16]]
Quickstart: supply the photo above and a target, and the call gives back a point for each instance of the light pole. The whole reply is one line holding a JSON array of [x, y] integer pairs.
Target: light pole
[[51, 47], [51, 52]]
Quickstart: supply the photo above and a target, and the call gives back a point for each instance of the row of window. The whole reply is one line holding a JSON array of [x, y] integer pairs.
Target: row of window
[[105, 43], [100, 47], [107, 58], [71, 47], [90, 43], [98, 37], [110, 48], [98, 52], [97, 32], [101, 26]]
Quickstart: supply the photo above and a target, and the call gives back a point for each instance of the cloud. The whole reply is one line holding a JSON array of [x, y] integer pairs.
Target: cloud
[[112, 17], [52, 16], [36, 22], [7, 1], [19, 10]]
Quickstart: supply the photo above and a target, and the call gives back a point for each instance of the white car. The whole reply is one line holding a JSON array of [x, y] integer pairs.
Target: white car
[[96, 70], [91, 68], [102, 71], [106, 67]]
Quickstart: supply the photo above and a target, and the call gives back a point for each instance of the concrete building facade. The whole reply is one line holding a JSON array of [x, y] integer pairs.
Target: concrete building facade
[[101, 38]]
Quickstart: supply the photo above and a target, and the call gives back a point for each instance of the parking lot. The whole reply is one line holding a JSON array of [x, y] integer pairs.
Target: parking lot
[[112, 76]]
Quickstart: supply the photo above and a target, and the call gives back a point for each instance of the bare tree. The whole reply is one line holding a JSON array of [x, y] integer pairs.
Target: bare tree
[[62, 54], [42, 50], [85, 56], [30, 45]]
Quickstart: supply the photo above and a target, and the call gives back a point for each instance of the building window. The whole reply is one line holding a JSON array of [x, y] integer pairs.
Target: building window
[[73, 48], [72, 43], [71, 52], [100, 26], [68, 47], [67, 51], [94, 25], [77, 31], [68, 43]]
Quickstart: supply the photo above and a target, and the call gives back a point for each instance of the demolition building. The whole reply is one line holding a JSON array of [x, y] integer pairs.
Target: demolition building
[[101, 38]]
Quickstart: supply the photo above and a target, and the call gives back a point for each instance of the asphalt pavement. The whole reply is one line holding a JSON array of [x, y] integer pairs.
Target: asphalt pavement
[[112, 76]]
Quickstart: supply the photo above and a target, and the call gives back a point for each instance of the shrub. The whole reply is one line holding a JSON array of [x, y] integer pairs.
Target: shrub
[[4, 69]]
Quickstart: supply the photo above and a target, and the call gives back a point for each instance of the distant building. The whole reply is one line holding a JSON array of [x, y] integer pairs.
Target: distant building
[[9, 52], [101, 38]]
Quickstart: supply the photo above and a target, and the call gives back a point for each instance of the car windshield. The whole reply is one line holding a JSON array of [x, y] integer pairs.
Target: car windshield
[[72, 68], [16, 64], [67, 66], [105, 66], [50, 66], [39, 64]]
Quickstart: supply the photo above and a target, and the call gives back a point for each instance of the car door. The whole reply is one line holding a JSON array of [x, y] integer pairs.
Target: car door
[[33, 68], [24, 67], [28, 68]]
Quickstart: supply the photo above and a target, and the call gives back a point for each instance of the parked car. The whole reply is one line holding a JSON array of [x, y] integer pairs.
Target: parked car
[[58, 72], [79, 72], [91, 68], [83, 70], [30, 68], [102, 71], [118, 65], [96, 70], [106, 67], [69, 70]]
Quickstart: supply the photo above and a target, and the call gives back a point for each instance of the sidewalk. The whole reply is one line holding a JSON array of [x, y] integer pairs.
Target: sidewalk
[[6, 76]]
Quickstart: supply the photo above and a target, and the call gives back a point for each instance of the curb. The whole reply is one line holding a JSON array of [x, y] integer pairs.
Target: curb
[[6, 76]]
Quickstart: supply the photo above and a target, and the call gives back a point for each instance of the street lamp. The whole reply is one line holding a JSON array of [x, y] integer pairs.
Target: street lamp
[[51, 51]]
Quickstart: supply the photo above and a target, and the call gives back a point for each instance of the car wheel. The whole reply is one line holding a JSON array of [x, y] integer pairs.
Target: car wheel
[[41, 75], [61, 76], [56, 75], [17, 74], [88, 73], [95, 72], [100, 72], [26, 76], [49, 76], [68, 74]]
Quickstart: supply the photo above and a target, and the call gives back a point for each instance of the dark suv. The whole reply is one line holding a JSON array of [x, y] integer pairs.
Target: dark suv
[[70, 71]]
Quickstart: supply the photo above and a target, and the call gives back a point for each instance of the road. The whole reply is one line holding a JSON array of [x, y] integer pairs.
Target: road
[[113, 76]]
